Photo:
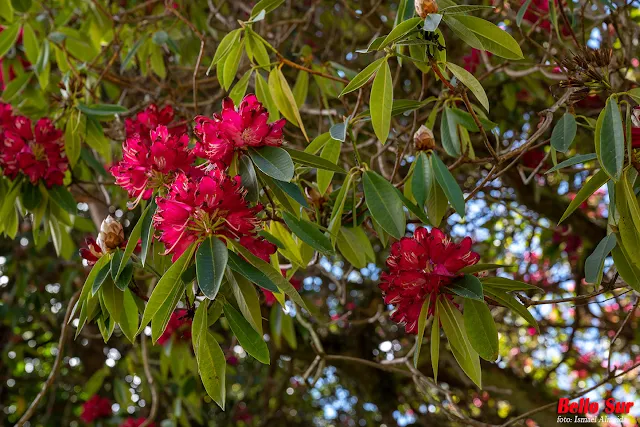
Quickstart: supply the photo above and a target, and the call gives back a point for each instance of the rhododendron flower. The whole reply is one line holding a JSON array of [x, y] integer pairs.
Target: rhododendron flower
[[235, 130], [92, 251], [149, 119], [203, 204], [419, 268], [473, 59], [260, 247], [136, 422], [95, 408], [34, 151], [149, 165], [534, 12], [179, 327]]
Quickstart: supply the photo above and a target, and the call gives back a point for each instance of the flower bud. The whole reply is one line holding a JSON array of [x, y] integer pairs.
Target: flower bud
[[425, 7], [111, 235], [423, 139]]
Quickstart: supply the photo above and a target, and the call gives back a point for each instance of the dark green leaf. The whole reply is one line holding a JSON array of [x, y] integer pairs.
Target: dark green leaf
[[314, 161], [63, 198], [211, 262], [381, 101], [580, 158], [449, 133], [609, 139], [564, 133], [256, 276], [594, 264], [308, 233], [468, 286], [449, 185], [422, 321], [248, 337], [273, 161], [101, 110], [596, 181], [481, 329], [384, 204]]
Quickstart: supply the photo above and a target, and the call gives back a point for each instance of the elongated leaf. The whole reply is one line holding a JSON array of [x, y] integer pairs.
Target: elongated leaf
[[421, 179], [240, 88], [484, 267], [128, 320], [627, 208], [580, 158], [609, 139], [266, 5], [101, 110], [301, 88], [226, 44], [363, 77], [508, 285], [330, 153], [212, 367], [113, 299], [63, 198], [627, 270], [273, 161], [596, 181], [449, 185], [308, 159], [381, 101], [284, 99], [349, 247], [522, 11], [335, 222], [471, 82], [564, 133], [318, 142], [463, 32], [400, 31], [384, 204], [134, 238], [248, 338], [256, 276], [131, 54], [231, 64], [468, 286], [147, 231], [435, 344], [308, 233], [493, 39], [422, 321], [8, 37], [290, 189], [211, 263], [594, 264], [247, 299], [165, 289], [481, 329], [449, 133], [102, 275], [510, 302]]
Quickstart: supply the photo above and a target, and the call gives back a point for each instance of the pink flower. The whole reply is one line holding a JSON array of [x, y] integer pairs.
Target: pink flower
[[472, 60], [95, 408], [259, 247], [92, 252], [36, 152], [235, 130], [151, 164], [536, 9], [419, 267], [179, 327], [149, 119], [201, 204], [136, 422]]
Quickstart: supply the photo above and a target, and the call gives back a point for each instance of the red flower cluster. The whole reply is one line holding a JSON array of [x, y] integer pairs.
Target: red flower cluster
[[149, 119], [179, 326], [419, 267], [92, 251], [150, 163], [573, 242], [95, 408], [201, 204], [235, 130], [136, 422], [34, 151]]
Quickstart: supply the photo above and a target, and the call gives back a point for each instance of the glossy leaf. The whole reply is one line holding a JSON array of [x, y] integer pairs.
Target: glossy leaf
[[591, 186], [380, 102], [384, 204], [363, 77], [481, 329], [449, 185], [471, 82], [564, 132], [594, 264], [609, 139], [273, 161], [211, 263], [248, 338], [468, 286]]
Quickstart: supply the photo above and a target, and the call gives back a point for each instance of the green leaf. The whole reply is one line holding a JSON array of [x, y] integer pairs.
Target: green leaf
[[165, 289], [288, 331], [225, 45], [381, 101], [284, 100], [465, 355], [301, 88], [248, 337], [290, 189], [131, 54], [492, 38], [384, 204], [594, 264], [16, 86], [627, 270], [134, 237], [629, 219], [101, 110], [30, 43], [307, 159], [113, 299], [449, 185], [522, 11], [308, 233], [591, 186], [401, 30], [317, 143], [449, 133], [266, 5], [349, 246], [509, 301], [274, 275], [331, 154], [211, 263], [247, 299], [481, 329], [253, 274], [609, 139], [508, 285], [458, 9], [273, 161], [471, 82], [240, 88], [8, 37], [249, 179], [470, 269], [72, 143], [147, 231], [564, 133], [6, 10], [231, 64], [129, 316], [362, 77], [63, 198], [335, 221], [101, 276], [463, 32], [421, 179], [212, 366], [264, 95], [422, 321], [468, 286], [435, 344], [580, 158]]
